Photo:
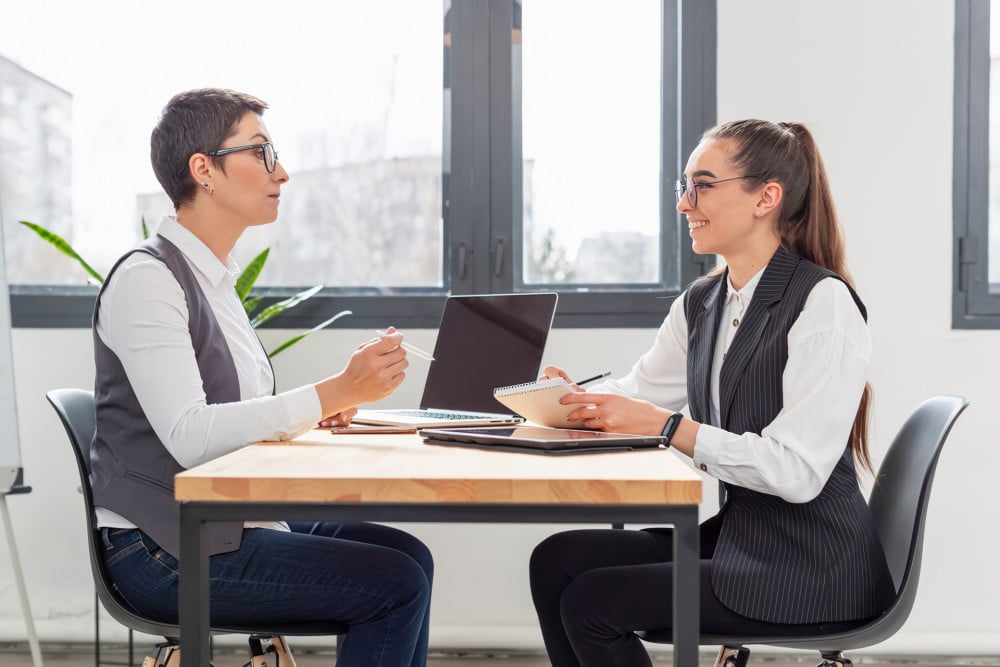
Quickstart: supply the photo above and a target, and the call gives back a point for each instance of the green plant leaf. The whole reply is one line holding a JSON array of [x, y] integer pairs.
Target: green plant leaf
[[62, 246], [295, 339], [250, 305], [145, 229], [280, 307], [249, 276]]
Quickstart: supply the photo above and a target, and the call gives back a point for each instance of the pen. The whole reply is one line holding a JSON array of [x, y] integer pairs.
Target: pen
[[410, 348], [591, 379]]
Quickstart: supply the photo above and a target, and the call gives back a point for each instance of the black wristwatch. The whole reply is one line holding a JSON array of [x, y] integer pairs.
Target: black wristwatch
[[673, 421]]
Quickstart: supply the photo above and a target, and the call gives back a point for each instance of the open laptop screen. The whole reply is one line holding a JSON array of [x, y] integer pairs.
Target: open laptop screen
[[487, 341]]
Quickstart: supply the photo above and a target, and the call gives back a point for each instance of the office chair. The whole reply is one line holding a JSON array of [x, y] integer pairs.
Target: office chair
[[899, 507], [76, 410]]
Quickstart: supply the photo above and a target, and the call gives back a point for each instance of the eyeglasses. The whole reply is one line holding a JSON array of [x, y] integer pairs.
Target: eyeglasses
[[267, 152], [691, 188]]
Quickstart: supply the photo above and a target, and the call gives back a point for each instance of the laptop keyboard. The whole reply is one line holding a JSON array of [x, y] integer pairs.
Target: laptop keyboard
[[437, 414]]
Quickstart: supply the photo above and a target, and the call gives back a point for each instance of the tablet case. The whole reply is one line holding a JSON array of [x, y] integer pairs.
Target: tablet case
[[508, 439]]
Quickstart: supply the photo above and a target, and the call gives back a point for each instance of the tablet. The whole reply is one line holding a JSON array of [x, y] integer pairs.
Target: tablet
[[539, 439], [368, 428]]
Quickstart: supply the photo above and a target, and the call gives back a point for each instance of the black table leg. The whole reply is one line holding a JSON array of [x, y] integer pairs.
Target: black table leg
[[195, 650], [687, 617]]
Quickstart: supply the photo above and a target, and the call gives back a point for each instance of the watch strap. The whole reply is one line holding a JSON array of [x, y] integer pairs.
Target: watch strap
[[673, 421]]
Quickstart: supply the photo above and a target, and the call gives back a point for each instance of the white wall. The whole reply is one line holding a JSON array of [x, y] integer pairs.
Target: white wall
[[873, 79]]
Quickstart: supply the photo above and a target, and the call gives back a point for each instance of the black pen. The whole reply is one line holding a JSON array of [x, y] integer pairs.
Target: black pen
[[591, 379]]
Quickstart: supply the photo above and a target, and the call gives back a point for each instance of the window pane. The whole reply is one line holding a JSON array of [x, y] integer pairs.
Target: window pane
[[355, 110], [591, 143]]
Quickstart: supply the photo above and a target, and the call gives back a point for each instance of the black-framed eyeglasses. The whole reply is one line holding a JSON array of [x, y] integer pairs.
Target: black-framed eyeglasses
[[266, 149], [691, 188]]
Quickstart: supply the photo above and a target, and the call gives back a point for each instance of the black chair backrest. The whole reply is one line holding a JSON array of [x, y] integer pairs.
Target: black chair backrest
[[75, 408], [903, 486], [902, 489]]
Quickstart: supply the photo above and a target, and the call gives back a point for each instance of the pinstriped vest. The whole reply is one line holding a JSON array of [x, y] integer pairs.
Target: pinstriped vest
[[132, 473], [776, 561]]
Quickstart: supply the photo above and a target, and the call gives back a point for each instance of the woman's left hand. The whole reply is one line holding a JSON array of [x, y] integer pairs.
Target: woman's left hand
[[340, 419], [618, 414]]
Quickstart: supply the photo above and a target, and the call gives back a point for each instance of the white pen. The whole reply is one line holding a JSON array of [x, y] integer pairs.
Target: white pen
[[410, 348]]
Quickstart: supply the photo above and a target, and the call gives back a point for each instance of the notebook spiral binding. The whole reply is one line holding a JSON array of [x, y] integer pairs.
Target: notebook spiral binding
[[528, 387]]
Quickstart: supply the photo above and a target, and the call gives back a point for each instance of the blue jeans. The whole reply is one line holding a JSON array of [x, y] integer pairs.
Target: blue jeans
[[374, 578]]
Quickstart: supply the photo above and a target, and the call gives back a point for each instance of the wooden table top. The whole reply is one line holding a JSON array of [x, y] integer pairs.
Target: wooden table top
[[322, 467]]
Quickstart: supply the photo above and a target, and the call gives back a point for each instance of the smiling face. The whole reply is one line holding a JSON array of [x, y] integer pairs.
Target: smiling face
[[728, 218], [245, 188]]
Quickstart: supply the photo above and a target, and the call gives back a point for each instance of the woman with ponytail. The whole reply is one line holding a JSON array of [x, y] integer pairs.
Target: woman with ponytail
[[759, 375]]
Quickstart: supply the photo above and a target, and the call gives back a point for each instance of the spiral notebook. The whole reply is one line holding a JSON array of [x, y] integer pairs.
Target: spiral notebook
[[538, 402]]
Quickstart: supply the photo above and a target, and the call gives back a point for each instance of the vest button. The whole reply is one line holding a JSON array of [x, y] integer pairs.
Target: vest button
[[704, 468]]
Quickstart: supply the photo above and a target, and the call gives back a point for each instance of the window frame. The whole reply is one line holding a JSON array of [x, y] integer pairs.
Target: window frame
[[973, 306], [482, 214]]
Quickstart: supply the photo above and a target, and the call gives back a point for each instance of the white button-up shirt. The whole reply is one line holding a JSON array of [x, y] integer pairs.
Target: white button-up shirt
[[829, 352]]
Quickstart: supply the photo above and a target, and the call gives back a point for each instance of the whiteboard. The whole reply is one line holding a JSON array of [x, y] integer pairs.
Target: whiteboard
[[10, 451]]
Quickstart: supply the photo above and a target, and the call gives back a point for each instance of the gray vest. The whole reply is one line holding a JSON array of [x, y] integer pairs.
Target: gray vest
[[132, 473], [776, 561]]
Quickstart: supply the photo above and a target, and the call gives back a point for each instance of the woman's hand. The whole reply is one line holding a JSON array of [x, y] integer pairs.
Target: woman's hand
[[376, 368], [342, 418], [556, 372], [617, 414], [373, 372]]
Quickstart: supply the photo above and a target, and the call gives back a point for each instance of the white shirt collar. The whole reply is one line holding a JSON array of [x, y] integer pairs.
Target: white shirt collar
[[743, 296], [198, 254]]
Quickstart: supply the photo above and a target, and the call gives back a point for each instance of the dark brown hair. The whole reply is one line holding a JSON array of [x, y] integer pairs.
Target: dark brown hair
[[195, 121], [807, 223]]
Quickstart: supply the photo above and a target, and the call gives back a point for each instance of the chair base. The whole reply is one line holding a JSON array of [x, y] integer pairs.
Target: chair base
[[739, 656], [733, 656], [265, 651], [168, 654], [835, 659], [270, 651]]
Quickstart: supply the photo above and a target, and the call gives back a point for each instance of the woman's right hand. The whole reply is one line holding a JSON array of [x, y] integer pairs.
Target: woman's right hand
[[373, 372], [377, 367]]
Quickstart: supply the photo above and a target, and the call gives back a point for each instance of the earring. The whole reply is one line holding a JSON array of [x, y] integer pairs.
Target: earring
[[207, 187]]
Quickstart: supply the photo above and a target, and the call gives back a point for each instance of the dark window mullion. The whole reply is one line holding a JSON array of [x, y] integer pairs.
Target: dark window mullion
[[696, 87], [977, 177], [468, 182], [505, 207], [973, 305]]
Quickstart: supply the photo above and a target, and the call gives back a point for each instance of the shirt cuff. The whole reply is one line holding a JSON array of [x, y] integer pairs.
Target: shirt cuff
[[708, 445], [302, 407]]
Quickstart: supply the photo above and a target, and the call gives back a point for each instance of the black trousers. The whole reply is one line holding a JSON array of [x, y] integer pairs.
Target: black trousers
[[593, 588]]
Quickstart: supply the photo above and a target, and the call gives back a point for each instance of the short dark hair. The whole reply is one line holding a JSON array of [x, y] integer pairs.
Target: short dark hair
[[195, 121]]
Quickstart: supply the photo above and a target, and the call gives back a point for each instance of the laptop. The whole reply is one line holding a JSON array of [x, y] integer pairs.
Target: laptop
[[540, 439], [484, 342]]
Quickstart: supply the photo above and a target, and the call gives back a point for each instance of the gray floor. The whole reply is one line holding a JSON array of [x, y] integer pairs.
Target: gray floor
[[18, 655]]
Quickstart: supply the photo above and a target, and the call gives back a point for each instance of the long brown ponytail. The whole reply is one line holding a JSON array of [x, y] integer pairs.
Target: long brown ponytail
[[786, 153]]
